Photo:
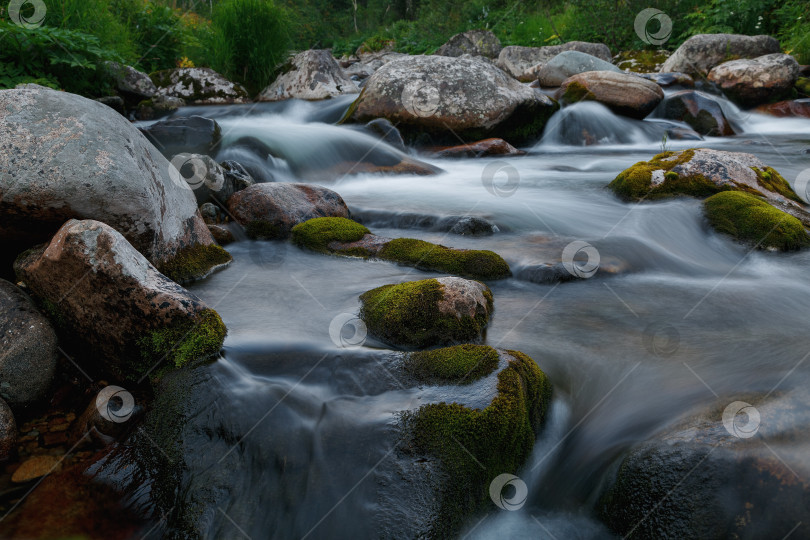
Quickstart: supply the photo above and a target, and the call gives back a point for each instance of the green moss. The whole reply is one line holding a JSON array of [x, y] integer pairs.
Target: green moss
[[641, 61], [263, 230], [479, 264], [576, 92], [458, 364], [194, 262], [185, 342], [773, 181], [316, 234], [408, 315], [752, 220], [474, 446], [635, 183], [803, 86]]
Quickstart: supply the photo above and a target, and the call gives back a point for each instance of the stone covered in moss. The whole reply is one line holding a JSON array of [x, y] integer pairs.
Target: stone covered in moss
[[317, 234], [185, 341], [428, 312], [701, 172], [752, 220], [195, 262], [474, 446], [460, 364]]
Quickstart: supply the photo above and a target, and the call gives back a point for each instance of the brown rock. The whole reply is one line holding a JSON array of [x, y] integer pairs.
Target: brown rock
[[35, 467], [487, 147], [790, 108], [701, 111], [626, 94], [750, 82], [221, 234]]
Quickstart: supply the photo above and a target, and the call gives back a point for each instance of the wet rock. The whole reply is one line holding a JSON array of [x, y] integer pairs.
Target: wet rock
[[387, 132], [472, 42], [683, 134], [453, 97], [487, 147], [430, 312], [111, 302], [464, 225], [133, 85], [699, 54], [523, 62], [751, 82], [109, 417], [643, 61], [701, 111], [720, 475], [70, 157], [221, 234], [787, 109], [204, 176], [198, 86], [158, 107], [668, 80], [8, 432], [568, 63], [28, 342], [209, 213], [310, 75], [237, 175], [35, 467], [472, 226], [116, 103], [269, 211], [624, 93], [189, 134]]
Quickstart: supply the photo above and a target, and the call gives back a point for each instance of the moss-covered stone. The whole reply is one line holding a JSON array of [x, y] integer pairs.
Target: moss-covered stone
[[576, 92], [636, 182], [641, 61], [409, 315], [184, 343], [194, 262], [474, 446], [771, 180], [752, 220], [316, 234], [460, 364], [479, 264]]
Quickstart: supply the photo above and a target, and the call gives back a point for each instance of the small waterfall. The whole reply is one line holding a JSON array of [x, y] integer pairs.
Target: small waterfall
[[590, 123]]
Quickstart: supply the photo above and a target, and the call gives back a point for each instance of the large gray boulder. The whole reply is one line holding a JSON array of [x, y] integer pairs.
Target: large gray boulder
[[523, 62], [310, 75], [453, 97], [198, 86], [624, 93], [472, 42], [69, 157], [569, 63], [700, 53], [752, 82], [28, 342]]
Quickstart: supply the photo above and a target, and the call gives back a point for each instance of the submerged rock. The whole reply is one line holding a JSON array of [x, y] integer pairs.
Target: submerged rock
[[443, 96], [701, 111], [751, 82], [108, 299], [310, 75], [786, 109], [623, 93], [28, 342], [487, 147], [569, 63], [522, 63], [472, 42], [386, 131], [190, 134], [699, 54], [198, 86], [70, 157], [270, 211], [429, 312]]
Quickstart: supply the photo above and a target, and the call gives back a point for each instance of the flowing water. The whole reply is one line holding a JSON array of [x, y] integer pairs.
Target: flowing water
[[302, 431]]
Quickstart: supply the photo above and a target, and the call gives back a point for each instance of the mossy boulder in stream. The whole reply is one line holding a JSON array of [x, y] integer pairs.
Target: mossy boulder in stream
[[475, 445], [319, 234], [753, 221], [458, 364], [429, 312]]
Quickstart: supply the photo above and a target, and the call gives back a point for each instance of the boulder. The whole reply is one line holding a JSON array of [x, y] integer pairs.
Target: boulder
[[472, 42], [359, 71], [204, 176], [522, 63], [430, 312], [8, 432], [667, 80], [28, 360], [787, 109], [623, 93], [198, 86], [751, 82], [452, 97], [221, 234], [69, 157], [237, 175], [699, 54], [701, 111], [269, 211], [568, 63], [189, 134], [133, 85], [487, 147], [114, 304], [158, 107], [310, 75], [732, 471]]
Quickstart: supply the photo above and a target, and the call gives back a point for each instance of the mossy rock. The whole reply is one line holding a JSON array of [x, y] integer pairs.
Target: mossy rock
[[316, 234], [753, 221], [641, 61], [636, 182], [422, 313], [195, 262], [474, 446], [479, 264], [184, 343], [460, 364]]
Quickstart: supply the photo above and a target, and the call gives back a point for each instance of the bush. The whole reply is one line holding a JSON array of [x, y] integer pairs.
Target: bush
[[249, 41]]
